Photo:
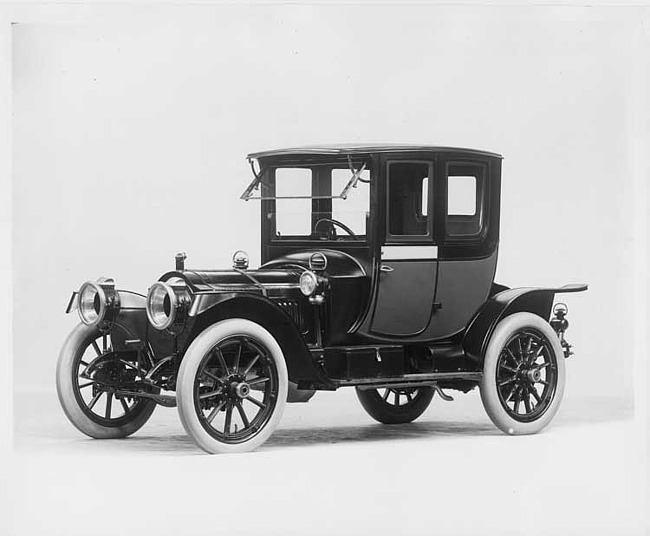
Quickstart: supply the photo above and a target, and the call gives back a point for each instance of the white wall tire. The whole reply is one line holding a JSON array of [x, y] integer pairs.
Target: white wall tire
[[228, 399], [523, 355], [95, 412]]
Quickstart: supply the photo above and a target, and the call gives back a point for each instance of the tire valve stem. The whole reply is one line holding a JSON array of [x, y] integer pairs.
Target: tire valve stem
[[560, 324]]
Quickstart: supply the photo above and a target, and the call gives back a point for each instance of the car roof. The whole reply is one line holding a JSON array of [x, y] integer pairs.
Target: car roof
[[358, 148]]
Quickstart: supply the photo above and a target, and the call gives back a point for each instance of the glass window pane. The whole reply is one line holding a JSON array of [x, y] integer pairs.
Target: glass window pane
[[406, 198], [354, 210], [293, 216], [465, 189], [462, 195]]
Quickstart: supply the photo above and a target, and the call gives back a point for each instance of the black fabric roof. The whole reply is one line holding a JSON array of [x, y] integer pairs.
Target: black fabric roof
[[353, 148]]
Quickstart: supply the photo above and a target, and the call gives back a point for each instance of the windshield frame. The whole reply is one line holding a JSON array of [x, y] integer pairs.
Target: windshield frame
[[321, 205], [355, 177]]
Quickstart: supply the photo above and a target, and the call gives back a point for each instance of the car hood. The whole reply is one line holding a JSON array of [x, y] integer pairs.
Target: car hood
[[229, 280]]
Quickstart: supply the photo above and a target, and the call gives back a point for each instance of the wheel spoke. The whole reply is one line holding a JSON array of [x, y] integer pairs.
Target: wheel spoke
[[95, 399], [210, 394], [97, 350], [529, 345], [506, 382], [509, 369], [542, 366], [125, 406], [517, 400], [512, 391], [215, 410], [386, 393], [526, 398], [257, 381], [86, 385], [538, 352], [84, 363], [226, 429], [105, 342], [235, 366], [109, 404], [212, 376], [242, 414], [221, 359], [511, 356], [250, 365], [256, 402], [543, 382], [396, 393], [521, 349], [533, 391], [408, 395]]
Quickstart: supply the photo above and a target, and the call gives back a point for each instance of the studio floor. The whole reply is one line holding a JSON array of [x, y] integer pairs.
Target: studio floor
[[329, 469]]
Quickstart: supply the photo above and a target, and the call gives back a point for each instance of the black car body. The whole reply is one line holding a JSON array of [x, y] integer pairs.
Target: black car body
[[378, 267]]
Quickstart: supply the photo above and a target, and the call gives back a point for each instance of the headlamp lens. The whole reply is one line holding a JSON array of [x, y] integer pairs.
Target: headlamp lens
[[92, 303], [308, 283], [161, 305]]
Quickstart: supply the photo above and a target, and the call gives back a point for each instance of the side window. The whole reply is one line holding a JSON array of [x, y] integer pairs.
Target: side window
[[465, 192], [408, 199]]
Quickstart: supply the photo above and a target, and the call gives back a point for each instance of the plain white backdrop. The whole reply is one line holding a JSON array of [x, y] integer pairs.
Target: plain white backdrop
[[129, 141]]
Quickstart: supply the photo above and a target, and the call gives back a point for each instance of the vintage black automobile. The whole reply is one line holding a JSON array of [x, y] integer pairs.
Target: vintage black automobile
[[377, 272]]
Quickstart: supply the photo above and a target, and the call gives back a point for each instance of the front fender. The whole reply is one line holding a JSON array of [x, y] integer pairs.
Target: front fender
[[538, 301], [210, 308]]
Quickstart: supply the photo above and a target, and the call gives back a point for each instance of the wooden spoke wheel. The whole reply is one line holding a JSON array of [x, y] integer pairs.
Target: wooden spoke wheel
[[91, 404], [523, 374], [232, 387]]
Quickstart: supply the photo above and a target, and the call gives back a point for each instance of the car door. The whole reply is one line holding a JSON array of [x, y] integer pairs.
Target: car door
[[468, 214], [407, 269]]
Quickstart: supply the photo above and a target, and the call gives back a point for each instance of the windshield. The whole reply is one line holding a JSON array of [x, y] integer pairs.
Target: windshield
[[316, 210]]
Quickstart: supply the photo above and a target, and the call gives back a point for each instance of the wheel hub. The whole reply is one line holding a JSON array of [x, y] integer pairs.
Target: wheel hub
[[240, 389], [534, 375]]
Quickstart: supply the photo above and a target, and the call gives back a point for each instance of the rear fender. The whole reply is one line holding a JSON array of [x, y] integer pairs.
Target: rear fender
[[211, 308], [538, 301]]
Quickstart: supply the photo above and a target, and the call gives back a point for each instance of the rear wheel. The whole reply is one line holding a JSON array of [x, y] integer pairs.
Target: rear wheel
[[523, 374], [395, 405], [232, 387]]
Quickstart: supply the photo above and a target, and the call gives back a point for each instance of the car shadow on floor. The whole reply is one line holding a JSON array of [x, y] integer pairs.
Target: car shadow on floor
[[181, 444], [376, 432]]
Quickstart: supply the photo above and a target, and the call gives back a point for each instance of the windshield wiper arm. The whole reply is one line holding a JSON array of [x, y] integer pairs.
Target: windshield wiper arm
[[356, 176], [254, 185]]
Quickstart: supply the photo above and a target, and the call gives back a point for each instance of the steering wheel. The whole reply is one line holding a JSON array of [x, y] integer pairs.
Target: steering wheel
[[331, 234]]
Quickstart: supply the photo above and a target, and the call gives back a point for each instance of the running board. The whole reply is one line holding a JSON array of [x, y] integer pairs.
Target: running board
[[409, 380]]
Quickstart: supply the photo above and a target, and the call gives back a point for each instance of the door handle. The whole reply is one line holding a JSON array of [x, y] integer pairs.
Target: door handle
[[385, 268]]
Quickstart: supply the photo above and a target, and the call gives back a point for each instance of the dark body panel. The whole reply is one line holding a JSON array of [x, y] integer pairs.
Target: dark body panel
[[404, 304], [463, 287], [348, 290]]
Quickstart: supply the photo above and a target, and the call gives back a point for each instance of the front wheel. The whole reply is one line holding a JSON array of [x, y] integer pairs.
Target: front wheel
[[91, 406], [395, 405], [232, 387], [523, 374]]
